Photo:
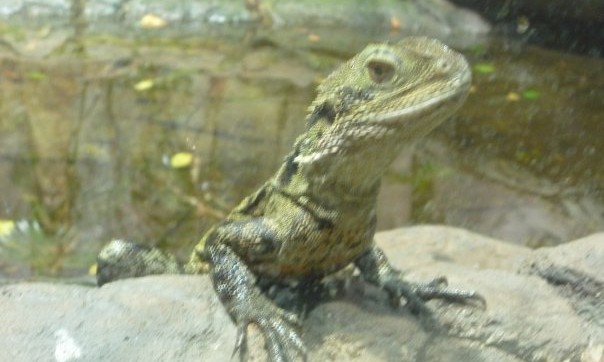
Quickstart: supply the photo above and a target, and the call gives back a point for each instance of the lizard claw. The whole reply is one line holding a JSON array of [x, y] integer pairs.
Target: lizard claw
[[437, 289], [280, 331], [241, 342], [376, 269], [417, 293]]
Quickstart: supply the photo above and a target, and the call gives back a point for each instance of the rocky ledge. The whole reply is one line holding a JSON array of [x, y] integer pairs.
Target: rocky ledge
[[542, 305]]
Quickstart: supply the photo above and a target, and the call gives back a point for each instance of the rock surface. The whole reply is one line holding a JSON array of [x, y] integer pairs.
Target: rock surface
[[544, 305]]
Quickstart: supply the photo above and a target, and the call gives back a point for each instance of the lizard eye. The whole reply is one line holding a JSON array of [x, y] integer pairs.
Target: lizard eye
[[380, 71]]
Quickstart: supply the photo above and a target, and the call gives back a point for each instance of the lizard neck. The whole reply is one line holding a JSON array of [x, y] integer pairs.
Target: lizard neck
[[333, 187]]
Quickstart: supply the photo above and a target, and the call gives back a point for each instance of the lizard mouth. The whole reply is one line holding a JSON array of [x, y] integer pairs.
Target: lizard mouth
[[442, 103], [410, 112]]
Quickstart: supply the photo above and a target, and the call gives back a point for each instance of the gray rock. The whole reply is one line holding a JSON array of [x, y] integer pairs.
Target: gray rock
[[543, 305], [167, 318]]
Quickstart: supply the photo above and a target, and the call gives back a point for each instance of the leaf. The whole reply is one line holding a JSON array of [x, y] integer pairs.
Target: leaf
[[152, 21], [531, 94], [484, 68], [181, 160], [144, 85], [512, 97], [36, 75], [6, 227]]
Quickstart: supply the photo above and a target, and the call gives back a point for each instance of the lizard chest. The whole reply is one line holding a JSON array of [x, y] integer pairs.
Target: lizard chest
[[315, 244]]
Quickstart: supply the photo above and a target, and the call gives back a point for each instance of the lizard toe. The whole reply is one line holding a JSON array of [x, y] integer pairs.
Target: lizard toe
[[280, 331], [416, 294], [283, 341]]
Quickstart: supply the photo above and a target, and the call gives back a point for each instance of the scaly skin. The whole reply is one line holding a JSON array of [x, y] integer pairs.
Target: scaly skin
[[317, 214]]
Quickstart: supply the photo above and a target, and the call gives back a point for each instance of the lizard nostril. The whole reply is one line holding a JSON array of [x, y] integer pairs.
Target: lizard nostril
[[379, 71], [443, 65]]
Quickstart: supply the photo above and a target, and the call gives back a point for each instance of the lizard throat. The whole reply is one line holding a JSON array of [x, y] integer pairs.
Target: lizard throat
[[397, 116]]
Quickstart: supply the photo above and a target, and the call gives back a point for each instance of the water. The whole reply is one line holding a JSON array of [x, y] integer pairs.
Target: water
[[154, 135]]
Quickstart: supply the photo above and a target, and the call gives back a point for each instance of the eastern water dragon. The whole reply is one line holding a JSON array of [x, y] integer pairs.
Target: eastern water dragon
[[317, 214]]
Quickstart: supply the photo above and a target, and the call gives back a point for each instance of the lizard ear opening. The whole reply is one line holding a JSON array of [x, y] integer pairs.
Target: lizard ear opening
[[380, 71]]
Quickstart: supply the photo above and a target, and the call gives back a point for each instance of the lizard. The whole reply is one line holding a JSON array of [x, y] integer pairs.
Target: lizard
[[317, 214]]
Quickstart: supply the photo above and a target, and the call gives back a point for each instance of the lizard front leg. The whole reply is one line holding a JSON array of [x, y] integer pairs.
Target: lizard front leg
[[376, 269], [236, 287]]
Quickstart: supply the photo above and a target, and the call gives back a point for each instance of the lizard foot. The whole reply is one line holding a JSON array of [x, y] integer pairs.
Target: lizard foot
[[417, 293], [280, 330]]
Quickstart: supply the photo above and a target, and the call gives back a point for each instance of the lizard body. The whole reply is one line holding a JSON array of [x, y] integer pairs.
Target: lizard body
[[317, 214]]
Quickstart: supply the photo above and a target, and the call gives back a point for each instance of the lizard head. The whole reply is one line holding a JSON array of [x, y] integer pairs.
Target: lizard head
[[380, 100]]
